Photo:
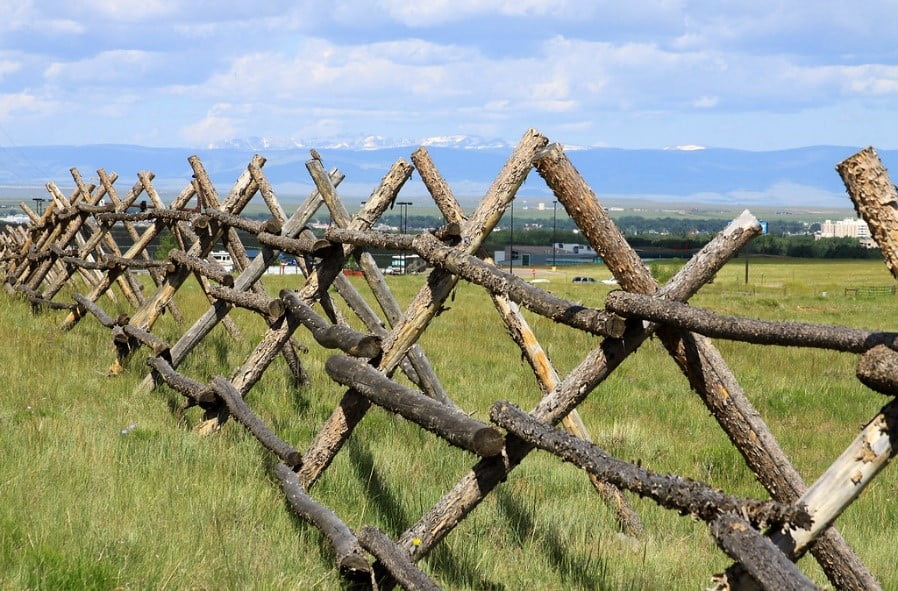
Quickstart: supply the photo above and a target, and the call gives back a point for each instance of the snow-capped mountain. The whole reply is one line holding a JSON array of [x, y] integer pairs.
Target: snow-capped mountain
[[683, 174], [362, 142]]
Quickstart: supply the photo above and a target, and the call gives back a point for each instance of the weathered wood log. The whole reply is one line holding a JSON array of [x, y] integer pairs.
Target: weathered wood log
[[240, 194], [196, 391], [763, 332], [763, 561], [277, 212], [331, 336], [271, 225], [685, 496], [496, 280], [119, 261], [272, 308], [159, 347], [702, 364], [104, 318], [246, 417], [85, 264], [473, 487], [149, 234], [835, 489], [350, 557], [426, 305], [95, 209], [39, 302], [454, 426], [875, 199], [878, 370], [173, 214], [518, 328], [204, 325], [395, 560], [304, 243], [369, 239], [315, 288], [198, 265]]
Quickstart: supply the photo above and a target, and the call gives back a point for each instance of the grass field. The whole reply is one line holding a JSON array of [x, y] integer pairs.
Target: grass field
[[103, 489]]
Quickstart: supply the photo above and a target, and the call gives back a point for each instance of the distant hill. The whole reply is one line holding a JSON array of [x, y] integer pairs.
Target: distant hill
[[800, 177]]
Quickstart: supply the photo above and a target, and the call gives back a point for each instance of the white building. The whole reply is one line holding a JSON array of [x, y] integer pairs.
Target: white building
[[847, 228]]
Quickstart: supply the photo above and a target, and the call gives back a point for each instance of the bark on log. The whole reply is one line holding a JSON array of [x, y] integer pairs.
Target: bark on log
[[395, 560], [763, 561], [200, 266], [271, 225], [332, 336], [305, 243], [111, 261], [703, 366], [455, 427], [104, 318], [763, 332], [246, 417], [598, 364], [316, 284], [495, 280], [138, 247], [426, 305], [875, 199], [159, 347], [199, 393], [350, 557], [204, 325], [878, 370], [685, 496], [271, 308], [519, 330], [172, 215]]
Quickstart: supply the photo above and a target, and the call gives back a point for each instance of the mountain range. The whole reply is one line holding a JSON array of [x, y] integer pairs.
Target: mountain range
[[799, 177]]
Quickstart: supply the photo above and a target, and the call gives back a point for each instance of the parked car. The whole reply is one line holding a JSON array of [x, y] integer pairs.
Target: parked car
[[583, 280]]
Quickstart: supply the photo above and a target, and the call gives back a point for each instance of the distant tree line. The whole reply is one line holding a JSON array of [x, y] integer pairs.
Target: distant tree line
[[664, 237]]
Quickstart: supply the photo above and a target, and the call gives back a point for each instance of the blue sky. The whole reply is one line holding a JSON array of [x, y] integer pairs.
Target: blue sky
[[639, 74]]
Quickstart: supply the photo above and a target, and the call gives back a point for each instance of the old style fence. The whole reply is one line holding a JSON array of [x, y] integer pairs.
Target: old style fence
[[72, 239]]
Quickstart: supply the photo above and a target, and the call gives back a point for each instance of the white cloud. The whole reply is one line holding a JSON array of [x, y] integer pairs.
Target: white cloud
[[8, 67], [107, 66], [431, 68], [14, 105], [215, 127]]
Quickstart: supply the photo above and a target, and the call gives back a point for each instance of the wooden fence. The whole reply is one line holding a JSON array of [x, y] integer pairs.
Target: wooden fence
[[71, 244]]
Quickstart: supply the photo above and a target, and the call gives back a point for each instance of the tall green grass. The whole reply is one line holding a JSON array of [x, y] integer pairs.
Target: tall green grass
[[91, 502]]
